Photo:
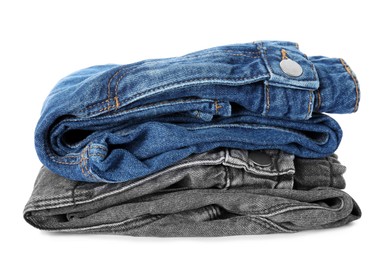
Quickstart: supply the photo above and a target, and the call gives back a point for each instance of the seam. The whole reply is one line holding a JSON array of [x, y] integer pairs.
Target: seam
[[245, 52], [331, 171], [122, 226], [74, 192], [230, 52], [98, 146], [162, 104], [117, 103], [254, 170], [312, 68], [217, 106], [97, 154], [150, 177], [270, 225], [199, 80], [268, 102], [93, 105], [82, 163], [284, 54], [216, 52], [228, 177], [319, 100], [310, 103], [254, 57], [66, 163], [85, 170], [55, 198], [348, 69], [188, 81]]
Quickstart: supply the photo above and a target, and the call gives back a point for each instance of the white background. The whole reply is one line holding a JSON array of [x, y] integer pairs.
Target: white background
[[43, 41]]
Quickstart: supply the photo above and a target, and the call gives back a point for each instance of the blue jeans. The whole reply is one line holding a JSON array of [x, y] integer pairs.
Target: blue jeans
[[115, 123]]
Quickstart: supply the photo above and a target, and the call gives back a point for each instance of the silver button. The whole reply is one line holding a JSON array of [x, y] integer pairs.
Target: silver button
[[260, 158], [291, 68]]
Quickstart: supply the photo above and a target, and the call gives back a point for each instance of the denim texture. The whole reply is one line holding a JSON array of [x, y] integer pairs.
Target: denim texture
[[219, 193], [115, 123]]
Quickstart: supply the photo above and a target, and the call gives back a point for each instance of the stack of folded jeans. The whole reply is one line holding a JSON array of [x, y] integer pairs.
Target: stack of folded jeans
[[231, 140]]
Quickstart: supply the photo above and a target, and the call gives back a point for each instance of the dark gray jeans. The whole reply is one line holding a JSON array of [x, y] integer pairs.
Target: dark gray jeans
[[218, 193]]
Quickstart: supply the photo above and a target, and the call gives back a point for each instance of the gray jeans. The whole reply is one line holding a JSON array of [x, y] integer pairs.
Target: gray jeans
[[218, 193]]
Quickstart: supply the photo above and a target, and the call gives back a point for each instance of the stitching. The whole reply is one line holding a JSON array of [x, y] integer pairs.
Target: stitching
[[71, 156], [187, 81], [179, 83], [228, 177], [109, 83], [53, 158], [217, 106], [94, 105], [312, 67], [83, 164], [117, 104], [131, 69], [246, 52], [310, 102], [284, 54], [97, 154], [348, 69], [187, 56], [268, 102], [254, 57], [270, 225], [86, 165], [74, 192], [164, 103], [98, 146], [319, 100], [263, 224], [331, 171]]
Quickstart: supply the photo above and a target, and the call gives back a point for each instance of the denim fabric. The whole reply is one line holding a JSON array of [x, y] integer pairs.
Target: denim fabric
[[115, 123], [219, 193]]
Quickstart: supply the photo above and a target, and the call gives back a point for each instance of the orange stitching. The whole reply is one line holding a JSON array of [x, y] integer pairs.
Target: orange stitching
[[117, 104], [117, 84], [348, 69], [284, 54], [217, 106], [109, 83], [94, 105]]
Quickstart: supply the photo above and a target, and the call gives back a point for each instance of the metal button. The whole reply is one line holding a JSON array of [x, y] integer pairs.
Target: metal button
[[260, 158], [291, 68]]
